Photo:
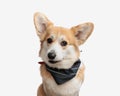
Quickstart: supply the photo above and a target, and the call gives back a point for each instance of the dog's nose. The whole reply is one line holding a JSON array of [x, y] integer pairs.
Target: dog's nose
[[51, 55]]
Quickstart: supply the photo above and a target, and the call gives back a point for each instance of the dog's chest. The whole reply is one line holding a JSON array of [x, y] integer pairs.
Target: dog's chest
[[70, 88]]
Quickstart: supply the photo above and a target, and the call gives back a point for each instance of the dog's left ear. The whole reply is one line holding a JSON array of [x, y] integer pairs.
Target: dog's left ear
[[82, 32]]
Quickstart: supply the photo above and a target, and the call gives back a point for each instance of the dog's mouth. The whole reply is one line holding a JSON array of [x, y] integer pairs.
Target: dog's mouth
[[53, 62]]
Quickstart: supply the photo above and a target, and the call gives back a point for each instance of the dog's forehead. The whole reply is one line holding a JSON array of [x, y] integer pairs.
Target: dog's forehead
[[59, 32]]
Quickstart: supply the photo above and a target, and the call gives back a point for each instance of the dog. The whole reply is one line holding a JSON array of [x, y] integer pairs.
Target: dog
[[62, 71]]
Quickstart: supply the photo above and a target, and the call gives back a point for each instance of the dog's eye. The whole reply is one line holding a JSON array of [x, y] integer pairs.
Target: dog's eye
[[63, 43], [49, 40]]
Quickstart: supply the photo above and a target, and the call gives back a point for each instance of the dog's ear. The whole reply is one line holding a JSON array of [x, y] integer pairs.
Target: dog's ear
[[82, 32], [41, 23]]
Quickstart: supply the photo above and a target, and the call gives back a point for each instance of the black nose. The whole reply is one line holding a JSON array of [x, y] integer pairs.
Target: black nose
[[51, 55]]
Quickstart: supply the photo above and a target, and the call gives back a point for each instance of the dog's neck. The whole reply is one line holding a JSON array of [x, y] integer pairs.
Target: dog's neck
[[63, 75]]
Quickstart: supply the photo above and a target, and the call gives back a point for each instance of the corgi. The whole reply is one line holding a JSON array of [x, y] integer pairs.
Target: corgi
[[62, 71]]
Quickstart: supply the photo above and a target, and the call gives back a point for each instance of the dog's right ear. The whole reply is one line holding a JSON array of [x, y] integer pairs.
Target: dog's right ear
[[41, 23]]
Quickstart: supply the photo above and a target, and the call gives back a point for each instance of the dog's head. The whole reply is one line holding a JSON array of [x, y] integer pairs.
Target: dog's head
[[60, 46]]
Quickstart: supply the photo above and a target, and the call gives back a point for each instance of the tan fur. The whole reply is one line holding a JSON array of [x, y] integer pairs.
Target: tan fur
[[74, 36], [41, 91]]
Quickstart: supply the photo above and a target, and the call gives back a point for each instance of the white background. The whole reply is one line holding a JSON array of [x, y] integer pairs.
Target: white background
[[19, 44]]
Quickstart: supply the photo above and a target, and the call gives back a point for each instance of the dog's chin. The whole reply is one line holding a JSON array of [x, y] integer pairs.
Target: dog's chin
[[54, 62], [64, 64]]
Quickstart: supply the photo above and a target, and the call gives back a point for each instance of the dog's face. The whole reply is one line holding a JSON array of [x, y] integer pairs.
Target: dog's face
[[60, 46]]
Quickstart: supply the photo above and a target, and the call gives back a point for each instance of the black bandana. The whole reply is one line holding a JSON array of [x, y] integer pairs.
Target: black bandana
[[63, 75]]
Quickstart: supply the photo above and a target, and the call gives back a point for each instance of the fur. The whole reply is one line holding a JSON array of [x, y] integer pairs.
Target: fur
[[65, 55]]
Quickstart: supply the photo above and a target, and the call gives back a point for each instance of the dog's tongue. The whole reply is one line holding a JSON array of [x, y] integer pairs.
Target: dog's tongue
[[41, 62]]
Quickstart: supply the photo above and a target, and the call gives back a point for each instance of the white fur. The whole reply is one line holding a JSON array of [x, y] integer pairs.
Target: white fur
[[58, 50], [66, 56]]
